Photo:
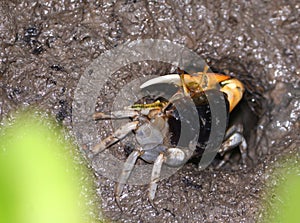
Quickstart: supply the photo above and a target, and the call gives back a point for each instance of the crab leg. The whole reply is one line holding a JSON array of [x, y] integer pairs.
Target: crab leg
[[233, 138], [155, 177], [115, 115], [236, 139], [125, 174], [116, 136], [232, 129]]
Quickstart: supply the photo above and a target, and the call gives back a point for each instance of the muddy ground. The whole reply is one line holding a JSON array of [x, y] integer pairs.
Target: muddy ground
[[47, 45]]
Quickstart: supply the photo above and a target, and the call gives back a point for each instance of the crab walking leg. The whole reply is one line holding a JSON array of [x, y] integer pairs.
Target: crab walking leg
[[233, 129], [116, 136], [155, 176], [115, 115], [125, 174], [233, 138], [236, 139]]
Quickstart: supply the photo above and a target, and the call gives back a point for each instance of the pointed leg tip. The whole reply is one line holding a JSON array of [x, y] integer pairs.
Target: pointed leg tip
[[117, 199], [151, 195], [151, 201]]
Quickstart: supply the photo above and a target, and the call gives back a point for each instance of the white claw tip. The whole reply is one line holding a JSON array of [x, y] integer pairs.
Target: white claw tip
[[167, 79]]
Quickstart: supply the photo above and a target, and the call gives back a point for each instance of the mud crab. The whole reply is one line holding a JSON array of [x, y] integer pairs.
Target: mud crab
[[154, 124]]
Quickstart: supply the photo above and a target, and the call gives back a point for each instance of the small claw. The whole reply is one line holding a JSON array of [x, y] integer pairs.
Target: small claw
[[115, 136]]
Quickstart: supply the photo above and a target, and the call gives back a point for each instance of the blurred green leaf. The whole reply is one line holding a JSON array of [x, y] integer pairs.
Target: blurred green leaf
[[284, 199], [39, 181], [289, 204]]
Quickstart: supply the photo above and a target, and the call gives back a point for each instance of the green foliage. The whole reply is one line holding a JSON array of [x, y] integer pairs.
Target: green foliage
[[39, 180], [283, 201]]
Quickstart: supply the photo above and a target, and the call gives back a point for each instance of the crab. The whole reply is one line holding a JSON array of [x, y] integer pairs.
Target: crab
[[154, 124]]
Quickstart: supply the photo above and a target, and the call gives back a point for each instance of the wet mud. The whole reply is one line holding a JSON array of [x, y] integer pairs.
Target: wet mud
[[45, 46]]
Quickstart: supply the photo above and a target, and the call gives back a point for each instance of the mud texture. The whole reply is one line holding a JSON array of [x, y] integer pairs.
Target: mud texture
[[47, 45]]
